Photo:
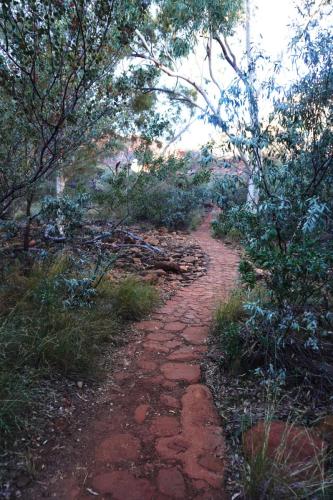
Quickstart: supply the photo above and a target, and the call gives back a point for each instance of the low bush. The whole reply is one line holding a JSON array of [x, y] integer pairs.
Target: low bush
[[264, 476], [131, 299], [54, 320], [230, 327], [223, 227], [227, 324], [228, 192], [169, 206], [42, 332], [165, 193], [287, 231]]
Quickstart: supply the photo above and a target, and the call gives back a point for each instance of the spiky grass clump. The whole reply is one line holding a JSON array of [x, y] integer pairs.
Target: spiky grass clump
[[44, 331], [227, 325], [278, 477], [132, 299]]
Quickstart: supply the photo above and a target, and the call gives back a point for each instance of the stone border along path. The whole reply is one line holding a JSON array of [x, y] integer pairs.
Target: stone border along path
[[163, 438]]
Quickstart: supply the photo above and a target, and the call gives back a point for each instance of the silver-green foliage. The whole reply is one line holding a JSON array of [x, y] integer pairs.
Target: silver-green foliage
[[289, 234]]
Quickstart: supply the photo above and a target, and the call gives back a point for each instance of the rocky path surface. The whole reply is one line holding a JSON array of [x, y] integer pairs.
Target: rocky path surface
[[161, 437]]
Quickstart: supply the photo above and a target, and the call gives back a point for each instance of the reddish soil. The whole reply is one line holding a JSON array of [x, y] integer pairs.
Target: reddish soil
[[160, 436]]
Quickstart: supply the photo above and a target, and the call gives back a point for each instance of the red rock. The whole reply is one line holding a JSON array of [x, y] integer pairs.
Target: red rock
[[325, 429], [147, 365], [164, 426], [149, 326], [187, 353], [200, 420], [200, 485], [120, 376], [169, 384], [212, 495], [181, 371], [171, 483], [123, 485], [201, 438], [172, 448], [169, 401], [117, 448], [174, 326], [153, 346], [168, 266], [191, 314], [160, 336], [210, 463], [289, 443], [158, 380], [196, 334], [140, 413], [168, 309], [171, 344]]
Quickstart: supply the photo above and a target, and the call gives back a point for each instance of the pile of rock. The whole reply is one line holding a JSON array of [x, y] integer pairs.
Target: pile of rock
[[169, 259]]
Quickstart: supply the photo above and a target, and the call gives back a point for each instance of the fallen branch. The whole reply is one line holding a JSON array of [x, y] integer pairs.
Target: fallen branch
[[48, 236], [143, 243]]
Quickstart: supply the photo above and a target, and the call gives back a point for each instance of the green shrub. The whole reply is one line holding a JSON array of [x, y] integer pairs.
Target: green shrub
[[50, 322], [236, 340], [196, 219], [53, 319], [168, 206], [227, 326], [131, 299], [228, 192], [164, 193], [287, 232], [223, 227], [247, 272], [15, 396]]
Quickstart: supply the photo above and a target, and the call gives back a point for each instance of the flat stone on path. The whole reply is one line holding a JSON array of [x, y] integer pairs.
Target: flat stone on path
[[171, 344], [117, 448], [148, 326], [200, 446], [169, 401], [196, 334], [123, 485], [165, 426], [171, 483], [154, 346], [160, 336], [187, 353], [181, 371], [174, 326], [147, 365], [140, 413]]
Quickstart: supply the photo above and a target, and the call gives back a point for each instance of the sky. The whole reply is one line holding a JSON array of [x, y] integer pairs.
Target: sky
[[270, 20]]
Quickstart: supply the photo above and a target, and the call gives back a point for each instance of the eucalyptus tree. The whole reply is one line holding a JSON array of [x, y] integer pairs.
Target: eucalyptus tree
[[231, 103], [60, 74]]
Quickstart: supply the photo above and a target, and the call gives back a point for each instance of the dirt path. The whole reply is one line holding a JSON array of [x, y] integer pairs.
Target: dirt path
[[161, 437]]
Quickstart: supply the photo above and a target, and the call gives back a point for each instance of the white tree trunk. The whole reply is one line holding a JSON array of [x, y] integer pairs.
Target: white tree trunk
[[60, 187], [252, 190]]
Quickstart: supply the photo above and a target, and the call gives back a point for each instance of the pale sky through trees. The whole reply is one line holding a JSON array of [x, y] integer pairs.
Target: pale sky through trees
[[270, 30]]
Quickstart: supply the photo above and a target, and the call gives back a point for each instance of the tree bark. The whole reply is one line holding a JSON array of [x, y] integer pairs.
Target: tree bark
[[60, 187], [26, 238], [252, 190]]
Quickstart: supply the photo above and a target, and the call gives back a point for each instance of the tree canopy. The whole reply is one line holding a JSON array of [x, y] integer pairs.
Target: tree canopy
[[60, 74]]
